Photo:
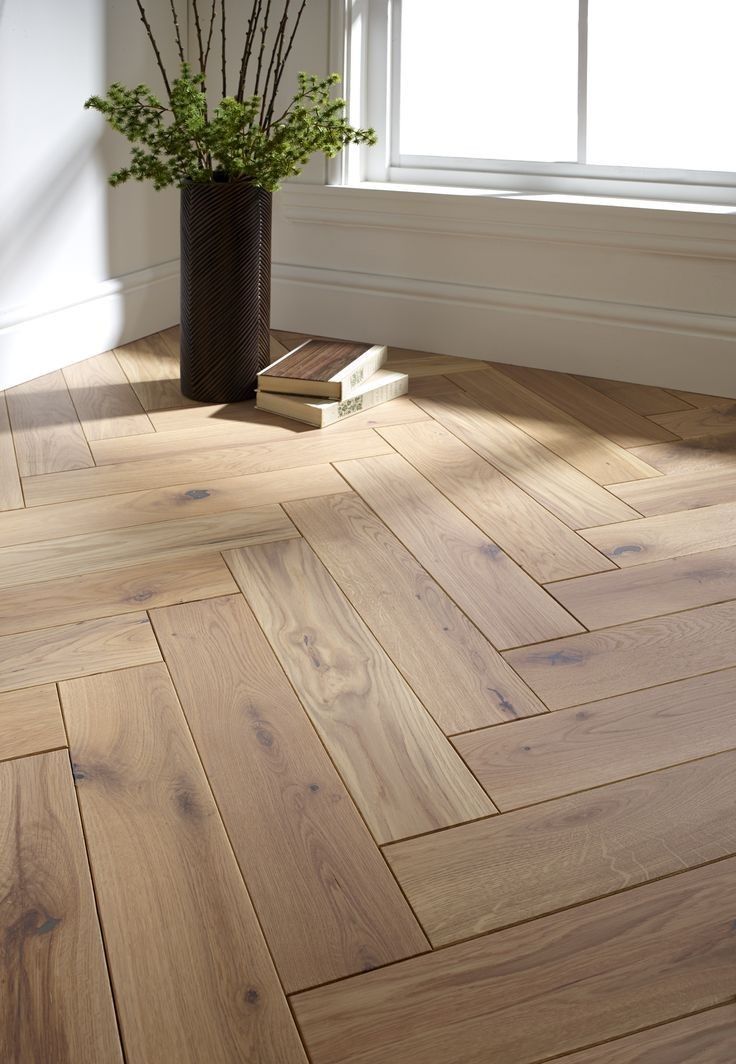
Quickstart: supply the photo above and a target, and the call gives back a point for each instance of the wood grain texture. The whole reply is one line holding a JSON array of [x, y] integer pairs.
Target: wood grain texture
[[594, 409], [34, 658], [459, 677], [217, 464], [590, 745], [318, 360], [192, 975], [104, 400], [651, 539], [689, 456], [478, 877], [649, 590], [564, 491], [11, 495], [417, 364], [584, 448], [327, 902], [29, 563], [114, 591], [200, 498], [566, 672], [30, 722], [591, 973], [151, 364], [706, 1038], [545, 547], [401, 771], [641, 398], [508, 607], [56, 1003], [679, 491], [719, 417], [48, 436]]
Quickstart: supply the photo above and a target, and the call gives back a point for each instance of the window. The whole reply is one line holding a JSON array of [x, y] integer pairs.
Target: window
[[609, 97]]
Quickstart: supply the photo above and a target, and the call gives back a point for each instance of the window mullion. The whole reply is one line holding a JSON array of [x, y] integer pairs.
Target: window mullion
[[582, 81]]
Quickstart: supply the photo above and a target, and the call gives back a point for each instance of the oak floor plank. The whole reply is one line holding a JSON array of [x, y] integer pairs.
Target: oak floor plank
[[541, 989], [479, 877], [719, 417], [230, 461], [706, 1038], [56, 1003], [650, 539], [192, 975], [545, 547], [459, 677], [327, 902], [693, 455], [11, 495], [582, 668], [641, 398], [33, 658], [564, 491], [700, 399], [649, 590], [418, 364], [66, 600], [205, 497], [104, 400], [679, 491], [402, 772], [503, 601], [29, 563], [30, 722], [151, 364], [590, 745], [47, 433], [583, 447], [594, 409]]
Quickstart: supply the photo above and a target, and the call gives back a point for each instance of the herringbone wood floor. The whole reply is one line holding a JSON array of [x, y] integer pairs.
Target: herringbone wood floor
[[408, 741]]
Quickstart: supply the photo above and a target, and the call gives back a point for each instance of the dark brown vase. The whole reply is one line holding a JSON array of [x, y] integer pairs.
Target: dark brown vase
[[225, 289]]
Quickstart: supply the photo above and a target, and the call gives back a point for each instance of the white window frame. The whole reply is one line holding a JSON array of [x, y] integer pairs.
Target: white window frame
[[365, 48]]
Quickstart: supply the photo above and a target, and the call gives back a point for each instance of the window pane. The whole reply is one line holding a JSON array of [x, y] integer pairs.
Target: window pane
[[489, 79], [662, 83]]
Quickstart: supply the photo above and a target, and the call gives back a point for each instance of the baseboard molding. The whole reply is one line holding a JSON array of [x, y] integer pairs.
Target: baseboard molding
[[34, 342], [644, 345]]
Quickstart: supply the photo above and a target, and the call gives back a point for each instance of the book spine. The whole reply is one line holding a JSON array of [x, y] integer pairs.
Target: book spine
[[357, 403], [361, 370]]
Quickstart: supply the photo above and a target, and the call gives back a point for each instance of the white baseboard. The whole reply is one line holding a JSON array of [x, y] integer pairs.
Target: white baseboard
[[641, 344], [34, 342]]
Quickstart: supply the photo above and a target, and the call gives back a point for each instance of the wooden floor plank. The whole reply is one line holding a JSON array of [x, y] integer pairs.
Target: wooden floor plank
[[459, 677], [30, 722], [545, 547], [401, 771], [594, 409], [582, 668], [591, 973], [508, 607], [650, 590], [192, 975], [651, 539], [11, 495], [419, 364], [478, 877], [706, 1038], [47, 433], [200, 498], [212, 464], [679, 491], [29, 563], [564, 491], [104, 400], [66, 600], [583, 447], [641, 398], [151, 364], [590, 745], [56, 1004], [691, 456], [719, 417], [34, 658], [327, 902]]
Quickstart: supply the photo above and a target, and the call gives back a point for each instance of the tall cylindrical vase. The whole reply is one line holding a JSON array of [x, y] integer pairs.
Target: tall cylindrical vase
[[225, 289]]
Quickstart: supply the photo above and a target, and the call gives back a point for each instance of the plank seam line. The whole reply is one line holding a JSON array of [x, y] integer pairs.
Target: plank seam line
[[14, 445], [648, 616], [32, 753]]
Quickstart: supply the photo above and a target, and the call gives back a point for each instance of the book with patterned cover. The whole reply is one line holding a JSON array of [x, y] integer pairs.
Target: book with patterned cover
[[333, 369], [385, 384]]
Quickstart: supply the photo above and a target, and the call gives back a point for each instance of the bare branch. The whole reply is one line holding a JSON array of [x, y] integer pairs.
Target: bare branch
[[223, 39], [213, 11], [275, 59], [200, 38], [262, 49], [250, 34], [152, 39], [177, 31], [282, 65]]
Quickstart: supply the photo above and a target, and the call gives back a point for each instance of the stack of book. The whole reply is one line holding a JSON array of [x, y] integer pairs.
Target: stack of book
[[323, 381]]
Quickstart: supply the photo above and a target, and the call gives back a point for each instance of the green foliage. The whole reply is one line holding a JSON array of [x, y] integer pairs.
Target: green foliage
[[182, 142]]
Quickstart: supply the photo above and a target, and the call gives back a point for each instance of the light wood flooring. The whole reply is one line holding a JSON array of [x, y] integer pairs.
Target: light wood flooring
[[407, 741]]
